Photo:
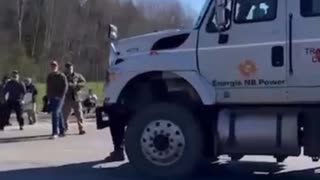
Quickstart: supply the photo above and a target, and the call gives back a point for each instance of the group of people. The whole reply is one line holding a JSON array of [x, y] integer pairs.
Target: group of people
[[62, 96], [13, 94]]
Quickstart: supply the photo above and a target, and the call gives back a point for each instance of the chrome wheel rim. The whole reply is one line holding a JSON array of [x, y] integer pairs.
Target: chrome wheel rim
[[162, 142]]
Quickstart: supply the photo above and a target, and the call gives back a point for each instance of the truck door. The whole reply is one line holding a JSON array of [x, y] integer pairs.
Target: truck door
[[246, 62], [304, 44]]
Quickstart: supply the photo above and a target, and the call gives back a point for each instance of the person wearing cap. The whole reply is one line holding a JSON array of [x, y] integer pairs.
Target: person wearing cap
[[30, 101], [3, 105], [57, 87], [76, 83], [14, 92]]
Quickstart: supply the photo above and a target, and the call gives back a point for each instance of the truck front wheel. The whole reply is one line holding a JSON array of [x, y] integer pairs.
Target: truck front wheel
[[164, 140]]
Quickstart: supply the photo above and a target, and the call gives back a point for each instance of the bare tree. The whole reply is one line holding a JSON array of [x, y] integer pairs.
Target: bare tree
[[20, 13], [76, 29], [37, 28]]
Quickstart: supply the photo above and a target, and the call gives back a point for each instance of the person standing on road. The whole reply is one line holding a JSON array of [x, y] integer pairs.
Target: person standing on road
[[15, 90], [3, 105], [31, 106], [57, 87], [76, 83]]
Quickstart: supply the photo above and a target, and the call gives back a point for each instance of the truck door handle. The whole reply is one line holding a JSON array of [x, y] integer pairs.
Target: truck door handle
[[277, 56]]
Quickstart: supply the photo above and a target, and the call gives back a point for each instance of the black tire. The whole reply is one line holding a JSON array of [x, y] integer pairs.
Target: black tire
[[236, 157], [182, 118], [281, 159]]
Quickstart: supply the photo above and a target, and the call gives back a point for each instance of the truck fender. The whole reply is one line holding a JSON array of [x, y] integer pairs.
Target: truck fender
[[204, 89]]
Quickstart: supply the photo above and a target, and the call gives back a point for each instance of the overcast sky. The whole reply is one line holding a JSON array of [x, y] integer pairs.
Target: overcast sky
[[196, 4]]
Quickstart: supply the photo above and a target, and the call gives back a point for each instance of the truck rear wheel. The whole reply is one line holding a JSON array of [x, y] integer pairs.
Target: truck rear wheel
[[164, 140]]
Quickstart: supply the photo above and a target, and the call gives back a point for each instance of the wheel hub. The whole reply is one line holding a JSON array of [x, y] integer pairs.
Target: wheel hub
[[162, 142]]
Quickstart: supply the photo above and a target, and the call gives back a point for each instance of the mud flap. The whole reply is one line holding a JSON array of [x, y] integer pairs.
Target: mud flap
[[101, 123], [311, 138]]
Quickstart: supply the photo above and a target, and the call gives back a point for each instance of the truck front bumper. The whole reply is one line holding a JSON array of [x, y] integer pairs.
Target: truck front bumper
[[107, 113]]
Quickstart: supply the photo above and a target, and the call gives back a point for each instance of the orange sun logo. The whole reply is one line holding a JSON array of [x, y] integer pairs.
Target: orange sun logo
[[247, 68]]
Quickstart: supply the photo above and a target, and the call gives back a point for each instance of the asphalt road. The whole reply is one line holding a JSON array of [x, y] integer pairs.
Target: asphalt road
[[30, 154]]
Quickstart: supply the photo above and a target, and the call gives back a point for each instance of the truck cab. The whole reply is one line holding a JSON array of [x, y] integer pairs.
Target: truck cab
[[242, 81]]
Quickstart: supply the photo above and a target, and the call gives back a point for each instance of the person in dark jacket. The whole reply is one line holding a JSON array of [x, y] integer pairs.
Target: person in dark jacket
[[15, 91], [57, 86], [3, 105], [31, 106]]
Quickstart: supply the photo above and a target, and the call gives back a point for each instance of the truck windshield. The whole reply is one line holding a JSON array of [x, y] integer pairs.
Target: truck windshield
[[203, 5]]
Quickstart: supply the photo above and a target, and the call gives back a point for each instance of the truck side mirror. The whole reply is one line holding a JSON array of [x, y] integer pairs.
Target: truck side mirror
[[112, 32], [221, 14]]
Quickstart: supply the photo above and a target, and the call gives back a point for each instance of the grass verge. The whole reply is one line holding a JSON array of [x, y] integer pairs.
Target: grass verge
[[97, 88]]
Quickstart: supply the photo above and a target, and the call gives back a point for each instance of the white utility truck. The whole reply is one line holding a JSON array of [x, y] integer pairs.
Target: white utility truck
[[244, 81]]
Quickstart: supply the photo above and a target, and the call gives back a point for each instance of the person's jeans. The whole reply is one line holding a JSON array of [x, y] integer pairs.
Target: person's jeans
[[55, 105]]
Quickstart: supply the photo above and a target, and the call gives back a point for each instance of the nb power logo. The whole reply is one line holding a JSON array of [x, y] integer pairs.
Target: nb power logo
[[247, 68]]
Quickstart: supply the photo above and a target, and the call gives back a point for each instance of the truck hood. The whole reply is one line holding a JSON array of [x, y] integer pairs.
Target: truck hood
[[144, 43]]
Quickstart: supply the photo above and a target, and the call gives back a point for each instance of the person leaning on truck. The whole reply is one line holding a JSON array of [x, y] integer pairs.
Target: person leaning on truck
[[57, 87], [117, 130], [76, 83]]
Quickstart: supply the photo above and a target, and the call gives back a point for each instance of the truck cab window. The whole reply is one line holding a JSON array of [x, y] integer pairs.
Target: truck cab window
[[255, 11], [212, 25], [310, 8]]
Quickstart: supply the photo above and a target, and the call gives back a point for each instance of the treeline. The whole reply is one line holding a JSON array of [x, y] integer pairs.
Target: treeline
[[33, 31]]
